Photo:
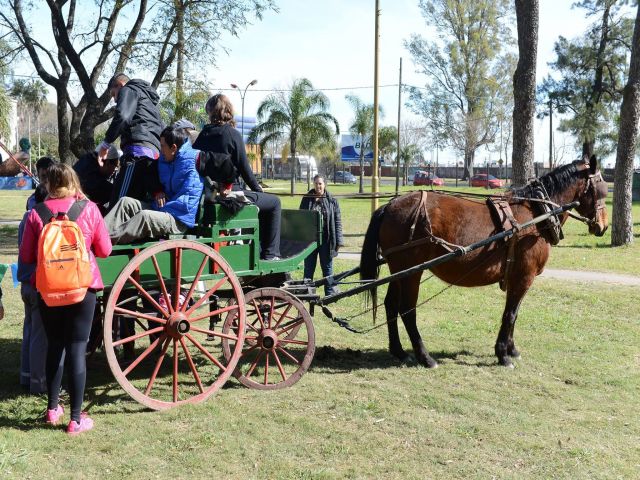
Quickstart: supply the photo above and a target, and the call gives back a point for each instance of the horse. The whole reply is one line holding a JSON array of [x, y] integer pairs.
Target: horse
[[420, 226]]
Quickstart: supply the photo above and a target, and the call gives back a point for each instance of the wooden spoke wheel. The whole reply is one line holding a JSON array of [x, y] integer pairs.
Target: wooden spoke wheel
[[279, 342], [158, 311]]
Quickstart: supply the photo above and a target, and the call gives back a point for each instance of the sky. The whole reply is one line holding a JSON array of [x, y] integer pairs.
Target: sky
[[331, 42]]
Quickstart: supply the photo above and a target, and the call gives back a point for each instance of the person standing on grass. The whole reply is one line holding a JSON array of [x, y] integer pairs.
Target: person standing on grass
[[67, 327], [137, 123], [33, 351], [320, 200]]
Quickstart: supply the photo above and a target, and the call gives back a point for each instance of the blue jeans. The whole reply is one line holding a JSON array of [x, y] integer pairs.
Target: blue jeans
[[326, 264], [34, 343]]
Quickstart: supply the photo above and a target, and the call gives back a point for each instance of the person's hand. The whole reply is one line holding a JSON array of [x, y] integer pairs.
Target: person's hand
[[224, 193], [161, 199]]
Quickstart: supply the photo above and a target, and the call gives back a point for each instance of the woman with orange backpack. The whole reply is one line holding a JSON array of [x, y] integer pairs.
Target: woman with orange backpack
[[62, 234]]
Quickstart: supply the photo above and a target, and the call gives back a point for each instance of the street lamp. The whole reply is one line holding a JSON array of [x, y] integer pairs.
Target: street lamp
[[242, 94]]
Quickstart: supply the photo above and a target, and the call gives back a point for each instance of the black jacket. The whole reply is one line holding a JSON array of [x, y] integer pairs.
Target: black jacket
[[332, 228], [226, 139], [95, 185], [137, 118]]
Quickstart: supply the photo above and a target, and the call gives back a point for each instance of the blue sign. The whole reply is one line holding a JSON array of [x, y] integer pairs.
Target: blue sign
[[16, 183]]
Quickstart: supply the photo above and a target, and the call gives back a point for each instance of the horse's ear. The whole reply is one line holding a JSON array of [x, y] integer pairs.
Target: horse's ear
[[593, 164]]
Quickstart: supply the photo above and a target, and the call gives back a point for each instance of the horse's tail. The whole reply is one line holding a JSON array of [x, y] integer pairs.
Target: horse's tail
[[369, 268]]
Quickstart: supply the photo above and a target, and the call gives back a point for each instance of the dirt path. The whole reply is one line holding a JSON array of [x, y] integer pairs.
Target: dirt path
[[571, 275]]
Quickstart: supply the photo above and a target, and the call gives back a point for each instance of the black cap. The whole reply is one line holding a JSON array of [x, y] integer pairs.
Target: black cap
[[183, 123]]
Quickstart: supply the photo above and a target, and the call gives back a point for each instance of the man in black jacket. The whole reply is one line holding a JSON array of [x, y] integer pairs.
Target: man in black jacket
[[137, 122]]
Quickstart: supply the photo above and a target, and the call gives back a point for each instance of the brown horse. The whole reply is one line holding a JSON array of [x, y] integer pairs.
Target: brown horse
[[412, 229]]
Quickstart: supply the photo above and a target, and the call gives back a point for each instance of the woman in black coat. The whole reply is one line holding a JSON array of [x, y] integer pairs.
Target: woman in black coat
[[319, 199], [220, 137]]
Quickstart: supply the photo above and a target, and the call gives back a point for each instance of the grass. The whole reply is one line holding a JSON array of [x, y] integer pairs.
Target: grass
[[568, 410]]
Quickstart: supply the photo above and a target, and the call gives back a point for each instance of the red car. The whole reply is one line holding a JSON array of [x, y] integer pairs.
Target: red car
[[424, 178], [484, 180]]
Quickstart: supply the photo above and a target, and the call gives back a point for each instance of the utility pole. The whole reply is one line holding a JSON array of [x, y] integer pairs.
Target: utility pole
[[550, 134], [374, 173], [398, 138]]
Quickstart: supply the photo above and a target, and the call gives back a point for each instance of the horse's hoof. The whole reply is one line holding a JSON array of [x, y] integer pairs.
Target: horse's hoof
[[428, 362], [506, 362]]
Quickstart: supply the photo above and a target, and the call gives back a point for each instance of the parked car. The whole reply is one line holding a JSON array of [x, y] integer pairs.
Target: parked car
[[426, 178], [345, 177], [484, 180]]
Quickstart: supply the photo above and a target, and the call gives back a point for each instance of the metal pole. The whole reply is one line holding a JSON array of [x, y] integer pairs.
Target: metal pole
[[550, 134], [374, 173], [398, 137], [242, 95]]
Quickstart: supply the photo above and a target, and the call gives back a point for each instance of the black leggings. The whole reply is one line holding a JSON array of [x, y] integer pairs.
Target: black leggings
[[67, 330], [269, 218]]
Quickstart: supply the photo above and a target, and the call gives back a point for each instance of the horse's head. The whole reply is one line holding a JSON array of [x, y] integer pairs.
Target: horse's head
[[591, 197]]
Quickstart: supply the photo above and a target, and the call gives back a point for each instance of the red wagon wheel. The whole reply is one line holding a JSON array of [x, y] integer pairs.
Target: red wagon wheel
[[279, 343], [161, 294]]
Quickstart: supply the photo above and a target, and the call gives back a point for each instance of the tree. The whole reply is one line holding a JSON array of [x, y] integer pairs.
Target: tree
[[177, 104], [362, 128], [301, 115], [465, 68], [592, 72], [31, 97], [387, 139], [413, 138], [150, 42], [524, 91], [622, 221]]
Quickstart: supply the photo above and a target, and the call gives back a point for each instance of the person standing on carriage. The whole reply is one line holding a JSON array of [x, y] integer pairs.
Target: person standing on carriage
[[320, 200], [97, 180], [137, 122], [220, 144]]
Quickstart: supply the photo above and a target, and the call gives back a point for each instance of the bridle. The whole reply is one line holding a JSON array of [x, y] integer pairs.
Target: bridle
[[592, 181]]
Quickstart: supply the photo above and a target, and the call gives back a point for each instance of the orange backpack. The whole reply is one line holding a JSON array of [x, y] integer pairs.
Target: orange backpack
[[63, 271]]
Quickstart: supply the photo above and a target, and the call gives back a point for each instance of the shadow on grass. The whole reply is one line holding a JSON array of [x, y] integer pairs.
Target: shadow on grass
[[597, 245], [343, 360], [8, 239]]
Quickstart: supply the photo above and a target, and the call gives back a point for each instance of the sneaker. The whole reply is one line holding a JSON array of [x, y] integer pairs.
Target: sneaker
[[54, 415], [85, 424]]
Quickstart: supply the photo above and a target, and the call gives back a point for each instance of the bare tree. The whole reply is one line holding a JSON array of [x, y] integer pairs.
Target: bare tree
[[622, 221], [524, 91], [119, 33]]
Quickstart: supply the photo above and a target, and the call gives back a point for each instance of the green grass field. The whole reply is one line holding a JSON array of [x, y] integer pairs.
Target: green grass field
[[568, 409]]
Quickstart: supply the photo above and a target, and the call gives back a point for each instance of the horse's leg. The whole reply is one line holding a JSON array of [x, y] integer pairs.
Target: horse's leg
[[391, 307], [505, 347], [408, 300]]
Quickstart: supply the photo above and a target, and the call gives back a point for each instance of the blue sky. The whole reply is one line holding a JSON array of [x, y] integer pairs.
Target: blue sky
[[331, 43]]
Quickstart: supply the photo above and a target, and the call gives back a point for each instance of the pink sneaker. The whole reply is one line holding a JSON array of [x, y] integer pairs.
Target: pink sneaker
[[85, 424], [54, 415]]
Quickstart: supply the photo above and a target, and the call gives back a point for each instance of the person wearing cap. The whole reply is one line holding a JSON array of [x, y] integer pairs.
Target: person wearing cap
[[137, 123], [96, 179]]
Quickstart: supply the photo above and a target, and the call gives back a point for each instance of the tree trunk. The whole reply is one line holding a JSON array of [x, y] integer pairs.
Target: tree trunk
[[180, 8], [64, 143], [524, 91], [622, 221]]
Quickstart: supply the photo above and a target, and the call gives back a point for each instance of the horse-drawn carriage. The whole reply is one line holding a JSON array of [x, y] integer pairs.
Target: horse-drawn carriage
[[205, 306]]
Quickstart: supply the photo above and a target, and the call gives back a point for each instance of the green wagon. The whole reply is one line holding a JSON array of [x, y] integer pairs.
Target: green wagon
[[181, 315]]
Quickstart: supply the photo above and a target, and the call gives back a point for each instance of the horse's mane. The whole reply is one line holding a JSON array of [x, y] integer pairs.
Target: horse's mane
[[554, 182]]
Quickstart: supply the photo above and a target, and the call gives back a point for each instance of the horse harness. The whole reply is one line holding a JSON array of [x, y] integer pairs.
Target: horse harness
[[421, 207]]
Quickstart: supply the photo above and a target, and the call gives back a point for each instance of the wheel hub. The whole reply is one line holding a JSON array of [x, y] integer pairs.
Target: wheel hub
[[268, 339], [178, 325]]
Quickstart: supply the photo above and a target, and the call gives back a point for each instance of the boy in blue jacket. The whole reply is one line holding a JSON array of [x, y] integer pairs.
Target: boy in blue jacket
[[175, 211]]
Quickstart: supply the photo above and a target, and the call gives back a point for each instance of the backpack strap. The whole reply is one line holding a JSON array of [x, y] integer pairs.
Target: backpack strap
[[76, 209], [44, 212]]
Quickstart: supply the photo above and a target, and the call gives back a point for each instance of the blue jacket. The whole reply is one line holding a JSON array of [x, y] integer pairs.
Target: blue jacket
[[182, 185]]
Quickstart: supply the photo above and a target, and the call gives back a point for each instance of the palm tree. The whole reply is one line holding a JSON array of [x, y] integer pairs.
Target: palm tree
[[362, 128], [5, 111], [31, 97], [179, 104], [301, 114]]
